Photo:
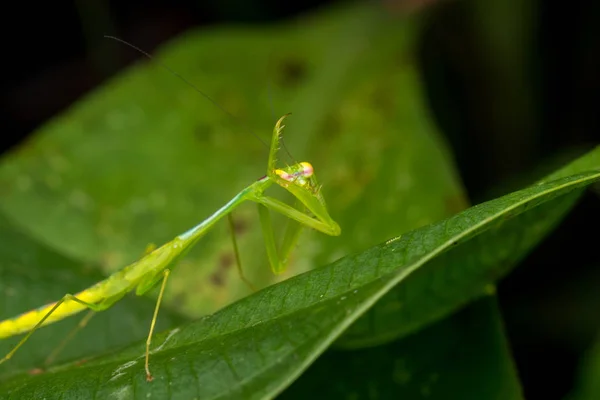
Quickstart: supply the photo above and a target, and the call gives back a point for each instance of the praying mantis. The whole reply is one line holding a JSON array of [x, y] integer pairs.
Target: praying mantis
[[309, 210]]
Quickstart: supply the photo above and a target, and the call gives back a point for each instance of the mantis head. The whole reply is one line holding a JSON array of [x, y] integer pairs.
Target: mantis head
[[300, 180]]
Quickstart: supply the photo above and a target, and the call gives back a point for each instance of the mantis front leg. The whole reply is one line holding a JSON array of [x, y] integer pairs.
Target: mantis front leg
[[279, 258]]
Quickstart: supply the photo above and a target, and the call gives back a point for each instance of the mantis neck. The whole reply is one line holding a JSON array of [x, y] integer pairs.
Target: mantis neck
[[250, 192]]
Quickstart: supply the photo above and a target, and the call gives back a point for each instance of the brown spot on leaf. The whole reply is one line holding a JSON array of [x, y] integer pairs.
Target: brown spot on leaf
[[81, 362], [240, 226], [217, 279], [291, 72], [226, 260], [36, 371]]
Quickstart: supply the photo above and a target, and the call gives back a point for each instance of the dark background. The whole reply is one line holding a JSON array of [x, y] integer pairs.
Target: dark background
[[513, 85]]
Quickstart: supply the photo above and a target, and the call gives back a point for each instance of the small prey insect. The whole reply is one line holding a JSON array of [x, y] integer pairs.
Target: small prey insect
[[309, 210]]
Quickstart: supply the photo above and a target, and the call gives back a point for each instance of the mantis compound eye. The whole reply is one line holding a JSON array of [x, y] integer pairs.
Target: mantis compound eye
[[297, 172], [307, 169]]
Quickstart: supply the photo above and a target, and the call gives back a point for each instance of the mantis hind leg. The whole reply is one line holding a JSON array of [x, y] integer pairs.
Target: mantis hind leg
[[82, 324], [166, 274], [236, 251], [94, 307]]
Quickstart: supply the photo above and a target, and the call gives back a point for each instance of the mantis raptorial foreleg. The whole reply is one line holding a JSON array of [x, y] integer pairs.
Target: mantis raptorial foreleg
[[293, 213], [278, 258], [291, 235]]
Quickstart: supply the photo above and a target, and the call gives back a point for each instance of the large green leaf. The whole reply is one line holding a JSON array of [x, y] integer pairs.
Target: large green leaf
[[145, 157], [499, 251], [259, 345], [465, 356]]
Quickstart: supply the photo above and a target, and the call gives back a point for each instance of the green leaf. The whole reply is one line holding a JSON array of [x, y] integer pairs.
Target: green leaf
[[463, 356], [256, 347]]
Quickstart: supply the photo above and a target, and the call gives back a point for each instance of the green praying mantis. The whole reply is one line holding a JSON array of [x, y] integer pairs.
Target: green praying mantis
[[309, 210]]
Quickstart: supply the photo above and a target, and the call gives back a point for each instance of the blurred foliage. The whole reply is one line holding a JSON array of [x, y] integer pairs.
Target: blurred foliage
[[588, 385], [145, 157]]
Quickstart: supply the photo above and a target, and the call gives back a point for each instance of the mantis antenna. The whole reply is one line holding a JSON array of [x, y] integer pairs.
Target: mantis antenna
[[206, 96]]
